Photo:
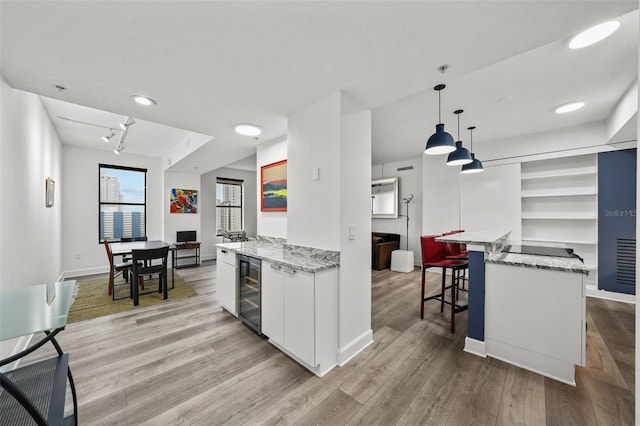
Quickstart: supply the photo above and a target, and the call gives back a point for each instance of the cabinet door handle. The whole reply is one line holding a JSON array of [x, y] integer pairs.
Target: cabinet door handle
[[274, 266], [290, 271], [224, 251]]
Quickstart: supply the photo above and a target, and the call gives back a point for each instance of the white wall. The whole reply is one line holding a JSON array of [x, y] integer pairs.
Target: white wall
[[441, 195], [272, 224], [409, 182], [334, 136], [559, 142], [81, 251], [29, 153], [314, 206], [491, 200], [180, 221], [208, 236], [354, 186]]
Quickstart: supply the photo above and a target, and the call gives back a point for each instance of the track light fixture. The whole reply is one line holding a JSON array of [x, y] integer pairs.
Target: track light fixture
[[476, 165], [129, 122], [440, 142], [108, 137], [461, 155]]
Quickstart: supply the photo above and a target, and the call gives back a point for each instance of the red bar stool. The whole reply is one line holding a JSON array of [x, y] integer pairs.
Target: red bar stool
[[457, 251], [434, 256]]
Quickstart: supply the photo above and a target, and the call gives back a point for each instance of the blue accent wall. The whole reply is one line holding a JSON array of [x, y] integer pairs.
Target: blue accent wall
[[475, 326], [617, 221]]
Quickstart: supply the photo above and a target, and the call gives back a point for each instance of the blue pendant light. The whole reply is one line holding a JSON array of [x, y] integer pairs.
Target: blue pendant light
[[476, 165], [440, 142], [460, 156]]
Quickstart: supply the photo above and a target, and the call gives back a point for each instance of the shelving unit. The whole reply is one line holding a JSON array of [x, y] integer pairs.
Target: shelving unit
[[560, 205], [192, 253]]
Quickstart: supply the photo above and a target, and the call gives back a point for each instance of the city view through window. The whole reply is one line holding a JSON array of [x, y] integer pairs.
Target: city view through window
[[122, 204], [228, 205]]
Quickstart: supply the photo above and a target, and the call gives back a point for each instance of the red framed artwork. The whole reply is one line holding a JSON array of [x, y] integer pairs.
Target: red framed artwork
[[273, 187]]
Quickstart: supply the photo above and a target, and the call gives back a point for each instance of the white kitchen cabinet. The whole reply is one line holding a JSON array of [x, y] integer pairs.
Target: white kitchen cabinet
[[300, 314], [273, 303], [535, 319], [226, 279]]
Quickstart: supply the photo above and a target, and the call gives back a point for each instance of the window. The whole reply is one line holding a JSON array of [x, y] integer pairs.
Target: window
[[228, 205], [122, 204]]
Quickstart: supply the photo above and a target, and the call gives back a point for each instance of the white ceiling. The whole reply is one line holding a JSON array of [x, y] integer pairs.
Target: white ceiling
[[210, 65]]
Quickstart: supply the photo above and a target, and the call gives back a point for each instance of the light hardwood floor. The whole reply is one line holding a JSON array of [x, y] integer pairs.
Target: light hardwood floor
[[189, 362]]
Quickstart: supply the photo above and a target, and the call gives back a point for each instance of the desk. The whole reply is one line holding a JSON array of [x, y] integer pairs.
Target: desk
[[123, 249], [195, 246], [25, 311]]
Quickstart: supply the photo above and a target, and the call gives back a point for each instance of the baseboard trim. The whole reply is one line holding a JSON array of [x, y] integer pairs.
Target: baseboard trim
[[354, 347], [593, 291], [475, 347], [85, 272]]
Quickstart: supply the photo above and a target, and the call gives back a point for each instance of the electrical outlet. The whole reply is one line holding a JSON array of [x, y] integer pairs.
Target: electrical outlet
[[76, 256]]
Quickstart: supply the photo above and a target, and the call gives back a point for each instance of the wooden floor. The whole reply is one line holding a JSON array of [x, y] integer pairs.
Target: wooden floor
[[188, 362]]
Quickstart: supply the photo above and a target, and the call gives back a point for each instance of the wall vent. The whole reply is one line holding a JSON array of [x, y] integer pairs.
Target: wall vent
[[400, 169], [626, 261]]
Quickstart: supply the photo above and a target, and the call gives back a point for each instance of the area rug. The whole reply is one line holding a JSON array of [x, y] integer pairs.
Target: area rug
[[93, 299]]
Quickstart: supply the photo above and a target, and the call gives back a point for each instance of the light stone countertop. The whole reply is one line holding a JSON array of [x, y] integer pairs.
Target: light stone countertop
[[282, 255], [566, 264], [474, 237]]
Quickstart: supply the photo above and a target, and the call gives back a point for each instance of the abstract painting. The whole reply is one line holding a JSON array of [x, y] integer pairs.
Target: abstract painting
[[273, 187], [184, 201]]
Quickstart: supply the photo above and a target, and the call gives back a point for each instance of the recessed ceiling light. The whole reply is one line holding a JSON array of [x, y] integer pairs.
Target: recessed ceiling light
[[594, 34], [248, 130], [573, 106], [143, 100]]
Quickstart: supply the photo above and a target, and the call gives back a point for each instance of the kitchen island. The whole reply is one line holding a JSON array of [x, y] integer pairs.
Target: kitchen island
[[297, 297], [525, 309], [535, 307]]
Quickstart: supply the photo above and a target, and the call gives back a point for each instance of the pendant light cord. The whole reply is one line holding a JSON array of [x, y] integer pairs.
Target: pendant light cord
[[439, 107]]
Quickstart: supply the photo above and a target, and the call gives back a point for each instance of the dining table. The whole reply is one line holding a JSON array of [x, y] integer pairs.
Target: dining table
[[126, 248]]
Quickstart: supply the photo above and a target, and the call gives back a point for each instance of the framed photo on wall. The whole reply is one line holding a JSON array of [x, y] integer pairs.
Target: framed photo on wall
[[184, 201], [273, 187], [50, 187]]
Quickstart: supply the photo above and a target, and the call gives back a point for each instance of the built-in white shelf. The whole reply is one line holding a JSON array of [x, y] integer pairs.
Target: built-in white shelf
[[562, 173], [560, 240], [559, 192], [559, 204], [562, 216]]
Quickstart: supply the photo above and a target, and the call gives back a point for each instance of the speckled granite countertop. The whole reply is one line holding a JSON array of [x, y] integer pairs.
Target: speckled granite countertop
[[296, 257], [492, 240], [566, 264]]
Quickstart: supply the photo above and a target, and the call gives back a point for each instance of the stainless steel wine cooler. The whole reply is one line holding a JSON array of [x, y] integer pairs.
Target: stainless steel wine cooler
[[249, 291]]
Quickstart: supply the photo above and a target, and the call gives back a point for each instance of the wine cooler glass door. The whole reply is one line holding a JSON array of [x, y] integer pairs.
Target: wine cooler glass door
[[249, 292]]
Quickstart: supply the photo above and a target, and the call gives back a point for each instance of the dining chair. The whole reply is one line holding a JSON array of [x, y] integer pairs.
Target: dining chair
[[434, 256], [117, 269], [143, 265], [126, 258]]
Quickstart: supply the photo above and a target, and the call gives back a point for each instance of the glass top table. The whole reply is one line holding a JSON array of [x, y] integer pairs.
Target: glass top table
[[25, 310]]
